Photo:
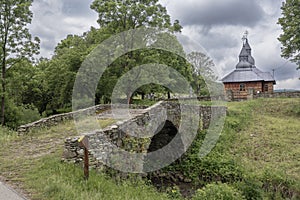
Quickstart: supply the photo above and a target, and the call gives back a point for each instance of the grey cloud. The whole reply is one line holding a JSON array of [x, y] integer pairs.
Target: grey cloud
[[218, 41], [216, 12], [285, 72]]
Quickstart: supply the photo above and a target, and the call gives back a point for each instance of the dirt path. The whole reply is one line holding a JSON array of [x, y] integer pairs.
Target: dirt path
[[20, 154]]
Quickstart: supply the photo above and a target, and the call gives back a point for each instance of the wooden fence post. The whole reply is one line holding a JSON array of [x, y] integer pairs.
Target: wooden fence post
[[84, 142]]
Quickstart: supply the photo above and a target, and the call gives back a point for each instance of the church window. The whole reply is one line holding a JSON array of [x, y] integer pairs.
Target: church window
[[242, 87], [266, 89]]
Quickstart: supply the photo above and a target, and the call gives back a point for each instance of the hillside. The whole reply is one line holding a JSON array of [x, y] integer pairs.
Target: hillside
[[257, 156]]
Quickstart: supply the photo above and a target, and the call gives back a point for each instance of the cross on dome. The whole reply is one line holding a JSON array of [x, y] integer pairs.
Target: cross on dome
[[245, 36]]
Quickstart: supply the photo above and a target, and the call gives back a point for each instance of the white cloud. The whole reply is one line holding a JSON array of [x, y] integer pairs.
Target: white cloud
[[292, 83], [53, 20]]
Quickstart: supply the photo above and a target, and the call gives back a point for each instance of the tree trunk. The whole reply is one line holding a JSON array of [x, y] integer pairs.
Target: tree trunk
[[3, 92], [198, 90], [3, 82], [3, 62]]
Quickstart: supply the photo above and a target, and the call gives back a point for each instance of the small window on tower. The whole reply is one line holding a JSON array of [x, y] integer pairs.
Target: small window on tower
[[266, 89], [242, 87]]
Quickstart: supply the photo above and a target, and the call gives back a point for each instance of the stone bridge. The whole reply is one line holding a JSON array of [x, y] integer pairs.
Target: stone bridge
[[159, 134]]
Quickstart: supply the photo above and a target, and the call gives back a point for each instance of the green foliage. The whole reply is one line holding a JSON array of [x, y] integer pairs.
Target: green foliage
[[65, 181], [211, 168], [48, 85], [290, 24], [265, 148], [203, 74], [25, 85], [19, 115], [224, 174], [218, 191], [250, 188], [295, 110], [121, 15], [278, 186], [143, 102], [7, 134], [218, 165], [34, 161], [224, 164], [174, 192], [16, 42]]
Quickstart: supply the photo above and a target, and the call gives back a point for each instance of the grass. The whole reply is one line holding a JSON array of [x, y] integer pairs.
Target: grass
[[257, 153], [65, 181], [267, 146], [32, 164], [271, 138]]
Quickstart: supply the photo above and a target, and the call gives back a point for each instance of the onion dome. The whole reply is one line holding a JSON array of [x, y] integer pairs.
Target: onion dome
[[243, 64]]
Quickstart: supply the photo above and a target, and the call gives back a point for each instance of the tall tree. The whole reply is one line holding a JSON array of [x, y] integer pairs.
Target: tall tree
[[16, 42], [290, 24], [202, 67], [122, 15]]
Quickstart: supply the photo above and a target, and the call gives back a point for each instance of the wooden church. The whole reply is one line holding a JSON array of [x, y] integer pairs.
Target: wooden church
[[247, 79]]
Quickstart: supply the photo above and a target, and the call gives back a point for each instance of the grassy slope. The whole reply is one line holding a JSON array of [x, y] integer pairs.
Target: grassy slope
[[32, 164], [267, 145], [271, 138], [261, 135]]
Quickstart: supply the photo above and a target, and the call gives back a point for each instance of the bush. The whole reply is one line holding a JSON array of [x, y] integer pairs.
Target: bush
[[143, 102], [18, 115], [279, 186], [250, 188], [218, 191]]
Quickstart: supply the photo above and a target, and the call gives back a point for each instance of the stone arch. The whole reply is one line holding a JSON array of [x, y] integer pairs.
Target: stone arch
[[160, 142], [163, 137]]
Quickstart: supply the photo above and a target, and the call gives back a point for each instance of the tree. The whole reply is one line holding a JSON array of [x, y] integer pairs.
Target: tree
[[202, 71], [23, 90], [15, 40], [122, 15], [290, 24]]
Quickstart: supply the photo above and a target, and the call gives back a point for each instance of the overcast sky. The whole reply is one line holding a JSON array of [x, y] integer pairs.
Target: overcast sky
[[217, 25]]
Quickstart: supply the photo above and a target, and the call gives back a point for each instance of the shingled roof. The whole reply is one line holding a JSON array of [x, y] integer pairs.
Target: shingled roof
[[246, 71]]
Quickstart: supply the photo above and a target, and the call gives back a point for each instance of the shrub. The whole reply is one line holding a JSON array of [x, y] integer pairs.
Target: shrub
[[143, 102], [218, 191], [217, 166], [278, 185], [250, 188], [18, 115]]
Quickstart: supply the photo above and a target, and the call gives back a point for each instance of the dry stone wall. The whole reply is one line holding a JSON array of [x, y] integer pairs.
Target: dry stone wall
[[249, 95], [101, 143], [278, 95], [55, 119]]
